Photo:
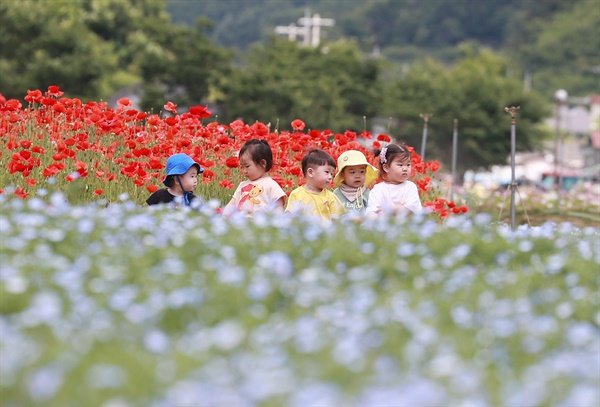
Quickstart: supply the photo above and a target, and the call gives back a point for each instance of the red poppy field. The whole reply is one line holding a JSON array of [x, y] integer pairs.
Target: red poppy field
[[92, 152]]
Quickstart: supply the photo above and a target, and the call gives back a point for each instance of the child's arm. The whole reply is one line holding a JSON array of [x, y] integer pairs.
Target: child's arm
[[375, 202], [230, 208], [293, 203], [413, 201], [337, 208], [280, 203]]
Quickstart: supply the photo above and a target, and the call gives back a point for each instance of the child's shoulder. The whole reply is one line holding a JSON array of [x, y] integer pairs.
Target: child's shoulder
[[161, 195], [327, 192], [298, 190]]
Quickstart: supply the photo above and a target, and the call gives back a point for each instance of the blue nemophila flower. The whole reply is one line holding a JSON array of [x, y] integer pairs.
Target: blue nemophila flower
[[156, 341], [278, 263], [230, 311], [44, 383], [105, 376], [228, 335]]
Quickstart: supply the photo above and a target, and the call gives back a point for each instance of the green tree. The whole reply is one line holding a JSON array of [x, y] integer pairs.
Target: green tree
[[560, 45], [93, 48], [330, 87], [45, 43], [183, 67], [475, 91]]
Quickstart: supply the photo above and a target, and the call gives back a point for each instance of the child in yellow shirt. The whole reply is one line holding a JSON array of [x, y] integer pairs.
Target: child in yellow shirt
[[313, 198]]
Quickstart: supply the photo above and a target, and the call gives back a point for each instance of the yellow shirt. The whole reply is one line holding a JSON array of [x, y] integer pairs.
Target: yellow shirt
[[324, 204]]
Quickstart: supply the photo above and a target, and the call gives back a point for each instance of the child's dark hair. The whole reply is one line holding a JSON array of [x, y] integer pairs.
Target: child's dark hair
[[388, 153], [316, 158], [259, 150], [169, 181]]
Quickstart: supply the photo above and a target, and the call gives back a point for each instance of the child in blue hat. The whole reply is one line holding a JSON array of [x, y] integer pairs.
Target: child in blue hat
[[180, 181]]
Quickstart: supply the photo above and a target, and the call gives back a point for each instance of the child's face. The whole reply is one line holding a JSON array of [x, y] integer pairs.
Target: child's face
[[189, 180], [355, 175], [398, 170], [250, 169], [320, 177]]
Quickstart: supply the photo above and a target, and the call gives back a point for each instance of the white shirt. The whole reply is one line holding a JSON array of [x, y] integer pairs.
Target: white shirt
[[250, 197], [385, 196]]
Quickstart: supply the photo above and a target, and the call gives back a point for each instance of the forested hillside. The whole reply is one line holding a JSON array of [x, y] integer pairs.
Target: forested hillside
[[387, 23], [552, 41]]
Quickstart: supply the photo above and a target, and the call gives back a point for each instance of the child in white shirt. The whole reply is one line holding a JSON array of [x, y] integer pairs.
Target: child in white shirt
[[396, 193], [259, 192]]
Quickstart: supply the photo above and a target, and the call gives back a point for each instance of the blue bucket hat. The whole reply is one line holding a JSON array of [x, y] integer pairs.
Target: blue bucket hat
[[178, 164]]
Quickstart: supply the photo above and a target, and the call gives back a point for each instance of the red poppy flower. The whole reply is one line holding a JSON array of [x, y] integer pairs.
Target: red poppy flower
[[152, 188], [171, 121], [155, 164], [124, 102], [384, 137], [226, 184], [298, 125], [154, 120], [24, 155], [232, 162], [433, 165], [260, 129], [54, 91], [171, 107], [30, 181], [34, 96], [13, 104], [20, 192], [236, 125], [207, 176], [98, 192], [201, 112], [95, 118], [58, 108], [224, 140], [50, 171]]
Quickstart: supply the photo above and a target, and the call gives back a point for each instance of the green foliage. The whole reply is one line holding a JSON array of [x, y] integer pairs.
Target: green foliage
[[475, 91], [45, 43], [330, 87], [94, 48], [556, 40], [559, 46], [182, 68]]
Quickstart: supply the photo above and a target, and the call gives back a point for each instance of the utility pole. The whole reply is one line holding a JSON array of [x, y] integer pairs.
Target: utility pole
[[454, 148], [425, 117], [513, 184], [560, 97]]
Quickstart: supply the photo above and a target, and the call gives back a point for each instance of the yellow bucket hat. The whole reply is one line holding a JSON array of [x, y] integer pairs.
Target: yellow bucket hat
[[353, 157]]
